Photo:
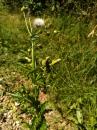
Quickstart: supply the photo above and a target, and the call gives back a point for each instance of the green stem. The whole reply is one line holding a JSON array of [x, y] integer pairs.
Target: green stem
[[30, 25], [27, 24], [33, 56]]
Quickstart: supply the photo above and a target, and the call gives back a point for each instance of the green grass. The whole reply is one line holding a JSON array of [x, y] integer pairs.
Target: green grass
[[74, 77]]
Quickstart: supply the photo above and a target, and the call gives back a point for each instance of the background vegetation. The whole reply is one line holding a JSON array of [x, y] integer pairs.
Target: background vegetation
[[71, 83]]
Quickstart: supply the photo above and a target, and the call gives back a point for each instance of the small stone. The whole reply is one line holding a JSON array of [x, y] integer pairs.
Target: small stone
[[30, 122], [1, 79], [5, 114], [17, 104], [13, 73], [42, 97], [1, 88], [17, 123]]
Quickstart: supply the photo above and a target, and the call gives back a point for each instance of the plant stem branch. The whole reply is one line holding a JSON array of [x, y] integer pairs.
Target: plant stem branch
[[30, 25], [33, 58], [27, 24]]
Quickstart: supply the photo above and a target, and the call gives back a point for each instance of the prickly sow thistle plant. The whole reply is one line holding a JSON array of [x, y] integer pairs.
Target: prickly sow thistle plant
[[38, 22], [33, 29]]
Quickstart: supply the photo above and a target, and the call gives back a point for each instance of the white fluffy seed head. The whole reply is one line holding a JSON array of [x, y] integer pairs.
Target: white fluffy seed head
[[38, 22]]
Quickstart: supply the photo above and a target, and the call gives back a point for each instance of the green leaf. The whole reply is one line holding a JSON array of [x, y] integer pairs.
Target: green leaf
[[73, 106], [55, 61], [43, 126], [92, 121], [45, 60], [73, 119], [79, 116]]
